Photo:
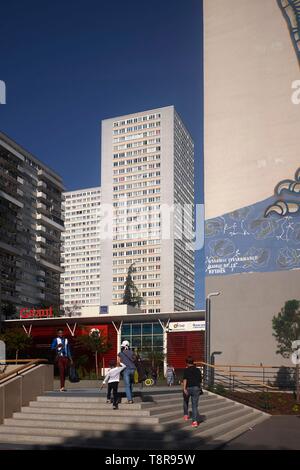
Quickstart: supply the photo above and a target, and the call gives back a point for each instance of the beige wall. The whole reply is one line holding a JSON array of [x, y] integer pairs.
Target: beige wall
[[252, 128], [19, 391], [242, 315]]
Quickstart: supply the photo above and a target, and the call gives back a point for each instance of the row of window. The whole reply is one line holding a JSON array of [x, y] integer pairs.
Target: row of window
[[145, 117], [133, 153], [125, 138], [142, 184], [137, 169], [138, 177], [136, 144], [140, 127], [144, 192], [136, 202], [132, 236], [138, 210], [135, 219], [120, 262]]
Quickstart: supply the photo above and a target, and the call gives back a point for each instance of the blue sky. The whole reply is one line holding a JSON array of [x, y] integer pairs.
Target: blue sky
[[68, 65]]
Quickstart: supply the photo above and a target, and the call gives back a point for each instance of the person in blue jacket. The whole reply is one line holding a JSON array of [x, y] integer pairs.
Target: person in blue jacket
[[60, 345]]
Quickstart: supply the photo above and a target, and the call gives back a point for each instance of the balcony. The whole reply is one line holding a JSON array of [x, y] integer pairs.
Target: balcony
[[41, 195], [51, 266], [44, 175], [42, 207], [40, 228], [41, 240], [53, 224], [41, 184]]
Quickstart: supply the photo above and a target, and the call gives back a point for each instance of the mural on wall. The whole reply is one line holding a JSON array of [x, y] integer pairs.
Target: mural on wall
[[291, 12], [262, 237]]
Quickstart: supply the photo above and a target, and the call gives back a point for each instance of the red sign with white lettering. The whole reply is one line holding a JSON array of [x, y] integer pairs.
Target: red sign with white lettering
[[36, 313]]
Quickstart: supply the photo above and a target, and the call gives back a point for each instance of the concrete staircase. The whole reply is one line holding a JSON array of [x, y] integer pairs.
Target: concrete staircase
[[153, 422]]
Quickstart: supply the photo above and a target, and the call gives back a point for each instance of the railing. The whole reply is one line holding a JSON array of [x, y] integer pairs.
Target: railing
[[229, 381], [27, 365], [279, 378]]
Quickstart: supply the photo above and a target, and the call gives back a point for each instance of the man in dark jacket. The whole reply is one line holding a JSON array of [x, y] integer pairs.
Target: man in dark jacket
[[191, 388]]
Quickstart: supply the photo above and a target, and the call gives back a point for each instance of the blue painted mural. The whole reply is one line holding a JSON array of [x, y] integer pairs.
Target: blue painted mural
[[262, 237], [291, 12]]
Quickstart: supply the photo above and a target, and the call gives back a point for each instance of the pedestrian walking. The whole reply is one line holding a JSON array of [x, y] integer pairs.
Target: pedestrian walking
[[170, 375], [112, 380], [128, 358], [63, 357], [192, 379]]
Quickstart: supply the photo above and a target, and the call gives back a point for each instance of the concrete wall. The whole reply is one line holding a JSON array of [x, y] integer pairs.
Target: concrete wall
[[251, 126], [19, 391], [241, 325]]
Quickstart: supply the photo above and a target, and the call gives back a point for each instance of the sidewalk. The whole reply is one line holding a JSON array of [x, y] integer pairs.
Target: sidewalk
[[277, 433]]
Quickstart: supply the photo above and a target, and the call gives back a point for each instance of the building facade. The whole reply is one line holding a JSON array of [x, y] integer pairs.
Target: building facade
[[31, 226], [147, 172], [251, 154], [81, 250]]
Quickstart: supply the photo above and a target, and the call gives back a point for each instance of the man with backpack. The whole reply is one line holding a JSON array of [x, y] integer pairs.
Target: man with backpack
[[128, 358]]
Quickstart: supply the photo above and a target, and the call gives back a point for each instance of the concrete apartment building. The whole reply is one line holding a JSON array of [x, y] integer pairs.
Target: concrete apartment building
[[81, 251], [30, 229], [147, 164], [251, 155]]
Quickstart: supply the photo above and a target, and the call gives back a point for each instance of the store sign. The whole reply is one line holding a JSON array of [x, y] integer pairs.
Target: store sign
[[36, 313], [187, 326]]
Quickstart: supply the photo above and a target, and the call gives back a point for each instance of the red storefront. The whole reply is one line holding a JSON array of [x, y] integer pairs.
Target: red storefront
[[177, 345]]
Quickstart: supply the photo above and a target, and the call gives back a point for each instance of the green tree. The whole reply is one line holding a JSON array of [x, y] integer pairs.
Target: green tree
[[16, 341], [95, 344], [155, 358], [131, 294], [286, 326]]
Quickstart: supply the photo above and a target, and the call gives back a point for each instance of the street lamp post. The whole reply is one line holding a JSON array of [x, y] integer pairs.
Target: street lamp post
[[207, 333]]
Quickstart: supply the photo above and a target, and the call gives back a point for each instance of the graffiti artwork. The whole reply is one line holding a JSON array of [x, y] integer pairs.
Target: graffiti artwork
[[262, 237], [291, 12]]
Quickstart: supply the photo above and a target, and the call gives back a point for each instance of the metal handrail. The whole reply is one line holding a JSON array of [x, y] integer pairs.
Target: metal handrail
[[16, 361], [235, 374], [30, 363], [279, 377]]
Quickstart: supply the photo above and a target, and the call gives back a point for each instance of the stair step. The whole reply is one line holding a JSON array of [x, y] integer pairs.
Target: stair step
[[115, 418], [31, 439], [78, 399], [179, 410], [79, 425], [84, 412], [227, 425], [228, 436], [153, 422], [87, 406], [207, 416]]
